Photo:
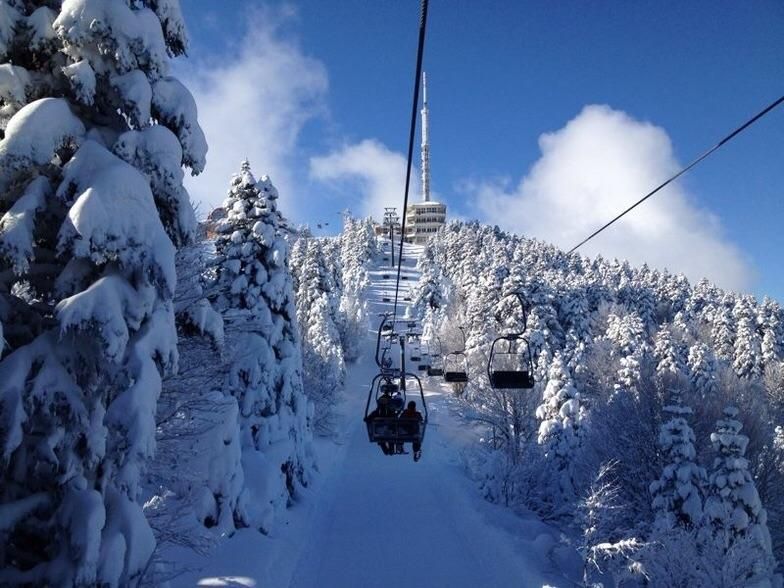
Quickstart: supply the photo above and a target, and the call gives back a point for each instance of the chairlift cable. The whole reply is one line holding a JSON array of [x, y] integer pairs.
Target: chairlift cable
[[725, 140], [411, 134]]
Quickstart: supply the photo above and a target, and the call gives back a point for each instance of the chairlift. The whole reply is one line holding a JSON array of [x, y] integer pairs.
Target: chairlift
[[456, 367], [436, 367], [386, 299], [510, 366], [424, 363], [395, 428], [386, 276]]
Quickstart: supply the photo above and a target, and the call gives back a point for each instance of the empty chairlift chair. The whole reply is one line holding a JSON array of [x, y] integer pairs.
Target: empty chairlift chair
[[510, 366], [424, 362], [456, 368], [416, 353], [436, 367]]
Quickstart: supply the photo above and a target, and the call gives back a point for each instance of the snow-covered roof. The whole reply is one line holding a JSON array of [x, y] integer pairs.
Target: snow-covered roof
[[429, 203]]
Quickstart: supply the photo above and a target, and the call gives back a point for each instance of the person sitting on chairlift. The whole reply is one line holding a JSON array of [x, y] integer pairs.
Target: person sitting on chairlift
[[383, 410], [412, 414], [396, 407]]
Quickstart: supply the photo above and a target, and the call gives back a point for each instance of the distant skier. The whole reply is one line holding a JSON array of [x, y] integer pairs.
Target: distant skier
[[383, 410], [412, 415]]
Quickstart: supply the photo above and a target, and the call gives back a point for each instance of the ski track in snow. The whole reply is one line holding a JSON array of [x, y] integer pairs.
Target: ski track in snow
[[376, 521]]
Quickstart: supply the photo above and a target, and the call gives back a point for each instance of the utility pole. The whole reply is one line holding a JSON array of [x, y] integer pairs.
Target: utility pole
[[391, 220]]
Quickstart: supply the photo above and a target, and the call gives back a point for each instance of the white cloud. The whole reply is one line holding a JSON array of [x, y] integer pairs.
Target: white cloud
[[598, 164], [253, 104], [375, 174]]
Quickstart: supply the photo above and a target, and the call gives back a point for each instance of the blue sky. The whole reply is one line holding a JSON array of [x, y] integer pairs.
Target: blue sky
[[317, 94]]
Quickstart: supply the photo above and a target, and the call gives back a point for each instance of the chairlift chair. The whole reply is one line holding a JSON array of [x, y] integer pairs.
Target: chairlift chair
[[395, 429], [456, 368], [436, 367], [511, 367]]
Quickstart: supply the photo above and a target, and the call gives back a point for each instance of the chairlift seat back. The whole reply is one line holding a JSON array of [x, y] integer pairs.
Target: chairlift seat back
[[510, 379], [455, 377], [395, 430], [435, 371], [389, 388]]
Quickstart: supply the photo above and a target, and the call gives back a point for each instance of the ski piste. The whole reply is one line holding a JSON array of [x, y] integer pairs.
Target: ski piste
[[380, 521]]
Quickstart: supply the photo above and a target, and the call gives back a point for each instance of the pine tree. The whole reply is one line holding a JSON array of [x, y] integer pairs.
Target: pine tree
[[733, 506], [560, 416], [747, 353], [358, 248], [770, 318], [723, 331], [628, 376], [323, 367], [702, 371], [253, 290], [667, 356], [677, 494], [94, 138]]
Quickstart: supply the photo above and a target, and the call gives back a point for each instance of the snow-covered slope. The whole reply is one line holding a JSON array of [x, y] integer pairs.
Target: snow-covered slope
[[375, 520]]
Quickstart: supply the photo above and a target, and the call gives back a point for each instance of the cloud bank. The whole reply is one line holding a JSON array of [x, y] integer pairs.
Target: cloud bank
[[374, 173], [253, 104], [597, 165]]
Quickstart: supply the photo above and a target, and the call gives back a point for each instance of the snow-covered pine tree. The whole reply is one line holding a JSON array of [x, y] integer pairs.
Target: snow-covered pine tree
[[770, 319], [723, 329], [253, 290], [358, 247], [702, 371], [95, 133], [747, 357], [677, 494], [732, 506], [324, 368], [560, 416], [669, 362]]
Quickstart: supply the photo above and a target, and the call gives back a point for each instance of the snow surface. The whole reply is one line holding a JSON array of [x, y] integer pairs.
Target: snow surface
[[372, 520]]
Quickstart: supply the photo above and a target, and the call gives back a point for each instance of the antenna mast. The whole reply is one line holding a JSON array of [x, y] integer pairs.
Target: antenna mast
[[425, 143]]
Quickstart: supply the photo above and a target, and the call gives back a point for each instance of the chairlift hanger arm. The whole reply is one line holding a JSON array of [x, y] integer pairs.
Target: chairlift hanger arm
[[384, 321]]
